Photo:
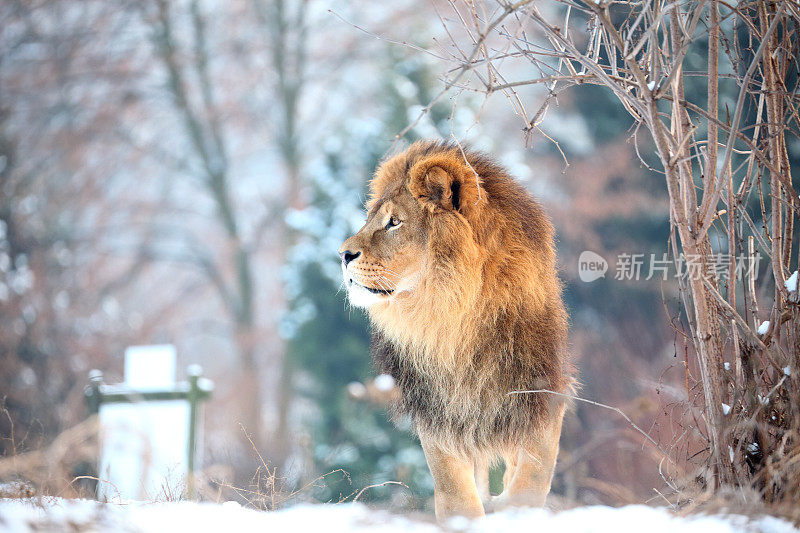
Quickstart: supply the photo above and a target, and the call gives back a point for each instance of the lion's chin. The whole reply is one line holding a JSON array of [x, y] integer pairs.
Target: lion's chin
[[361, 296]]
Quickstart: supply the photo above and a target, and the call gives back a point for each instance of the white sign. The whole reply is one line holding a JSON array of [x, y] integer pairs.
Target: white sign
[[150, 367], [144, 444], [144, 450]]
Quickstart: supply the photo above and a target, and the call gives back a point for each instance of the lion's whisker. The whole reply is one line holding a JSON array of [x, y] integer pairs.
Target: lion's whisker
[[389, 283], [375, 281], [382, 283]]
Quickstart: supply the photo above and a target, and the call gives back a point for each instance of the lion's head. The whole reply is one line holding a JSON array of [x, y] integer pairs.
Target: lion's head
[[450, 244], [411, 197]]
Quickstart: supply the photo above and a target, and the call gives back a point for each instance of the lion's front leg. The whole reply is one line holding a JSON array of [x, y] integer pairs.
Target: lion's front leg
[[482, 482], [455, 491], [529, 481]]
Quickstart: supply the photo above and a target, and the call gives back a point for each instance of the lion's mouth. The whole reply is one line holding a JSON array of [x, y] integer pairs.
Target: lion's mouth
[[370, 289]]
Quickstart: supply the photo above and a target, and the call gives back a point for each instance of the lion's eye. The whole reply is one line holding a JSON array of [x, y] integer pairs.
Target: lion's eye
[[393, 222]]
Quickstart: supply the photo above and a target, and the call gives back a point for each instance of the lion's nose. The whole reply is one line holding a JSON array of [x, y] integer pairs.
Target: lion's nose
[[348, 256]]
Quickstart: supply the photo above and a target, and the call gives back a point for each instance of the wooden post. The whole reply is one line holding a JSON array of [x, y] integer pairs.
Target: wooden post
[[93, 396], [194, 400]]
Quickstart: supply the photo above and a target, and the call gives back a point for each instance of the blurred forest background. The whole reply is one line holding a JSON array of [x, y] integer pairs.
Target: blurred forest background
[[184, 172]]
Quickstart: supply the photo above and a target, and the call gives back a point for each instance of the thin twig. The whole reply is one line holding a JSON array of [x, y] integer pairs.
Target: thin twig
[[604, 406]]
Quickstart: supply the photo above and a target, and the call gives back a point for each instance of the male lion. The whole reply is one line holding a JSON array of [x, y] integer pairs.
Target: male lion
[[456, 266]]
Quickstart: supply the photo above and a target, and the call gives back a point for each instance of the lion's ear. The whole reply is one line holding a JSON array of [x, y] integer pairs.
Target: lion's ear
[[441, 182]]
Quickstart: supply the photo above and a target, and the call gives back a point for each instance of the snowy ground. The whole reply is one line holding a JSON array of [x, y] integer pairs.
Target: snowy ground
[[84, 515]]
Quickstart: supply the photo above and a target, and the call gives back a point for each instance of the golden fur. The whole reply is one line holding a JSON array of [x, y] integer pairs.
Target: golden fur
[[456, 265]]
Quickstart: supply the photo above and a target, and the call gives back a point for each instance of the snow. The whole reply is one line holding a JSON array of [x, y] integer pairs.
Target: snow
[[384, 382], [791, 283], [787, 371], [651, 85], [727, 365], [726, 408], [20, 516], [763, 328], [356, 390], [59, 514]]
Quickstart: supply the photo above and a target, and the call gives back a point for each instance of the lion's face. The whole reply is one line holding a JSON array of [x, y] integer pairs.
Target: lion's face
[[419, 229], [385, 257]]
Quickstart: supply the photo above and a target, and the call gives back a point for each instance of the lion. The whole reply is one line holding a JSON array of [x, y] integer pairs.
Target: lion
[[455, 266]]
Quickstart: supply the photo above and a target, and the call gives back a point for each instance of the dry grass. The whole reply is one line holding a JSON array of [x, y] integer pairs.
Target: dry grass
[[51, 470]]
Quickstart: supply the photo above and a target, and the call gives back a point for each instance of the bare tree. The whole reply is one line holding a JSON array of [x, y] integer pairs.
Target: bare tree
[[749, 369], [286, 28], [280, 29], [230, 272], [54, 328]]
